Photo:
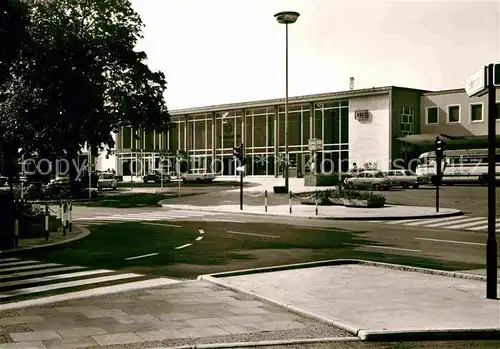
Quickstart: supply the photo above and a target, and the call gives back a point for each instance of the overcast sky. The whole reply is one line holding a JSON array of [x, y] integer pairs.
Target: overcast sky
[[224, 51]]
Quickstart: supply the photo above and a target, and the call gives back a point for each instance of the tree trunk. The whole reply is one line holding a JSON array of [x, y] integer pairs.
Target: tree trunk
[[8, 208]]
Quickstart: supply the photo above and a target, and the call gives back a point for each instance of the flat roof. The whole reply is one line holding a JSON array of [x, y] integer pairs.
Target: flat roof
[[444, 92], [292, 100]]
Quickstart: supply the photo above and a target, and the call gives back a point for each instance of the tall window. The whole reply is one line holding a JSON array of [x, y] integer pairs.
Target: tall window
[[332, 122], [173, 136], [498, 111], [407, 121], [431, 116], [453, 113], [476, 112]]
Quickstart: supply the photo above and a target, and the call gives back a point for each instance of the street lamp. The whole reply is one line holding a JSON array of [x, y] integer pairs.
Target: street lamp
[[286, 18]]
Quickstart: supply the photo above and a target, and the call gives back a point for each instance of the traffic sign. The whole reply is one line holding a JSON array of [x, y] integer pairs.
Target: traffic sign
[[240, 168], [476, 83]]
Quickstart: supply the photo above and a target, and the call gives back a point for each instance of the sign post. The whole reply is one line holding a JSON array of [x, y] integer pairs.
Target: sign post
[[482, 82], [491, 245]]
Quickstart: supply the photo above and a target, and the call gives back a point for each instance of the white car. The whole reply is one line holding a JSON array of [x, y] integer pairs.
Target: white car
[[106, 181], [369, 180], [198, 175]]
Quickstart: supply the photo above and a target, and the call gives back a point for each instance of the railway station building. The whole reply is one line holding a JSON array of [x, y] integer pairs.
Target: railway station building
[[367, 127]]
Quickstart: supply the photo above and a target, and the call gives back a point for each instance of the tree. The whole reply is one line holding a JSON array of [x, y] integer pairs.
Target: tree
[[75, 78], [83, 77]]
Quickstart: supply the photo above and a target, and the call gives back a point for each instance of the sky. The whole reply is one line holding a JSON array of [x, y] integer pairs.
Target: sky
[[226, 51]]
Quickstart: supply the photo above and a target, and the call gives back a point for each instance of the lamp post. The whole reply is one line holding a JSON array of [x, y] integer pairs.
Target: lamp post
[[286, 18]]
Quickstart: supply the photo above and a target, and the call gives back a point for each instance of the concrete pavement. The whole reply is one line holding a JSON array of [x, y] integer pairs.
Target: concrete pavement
[[191, 313], [325, 212], [376, 301]]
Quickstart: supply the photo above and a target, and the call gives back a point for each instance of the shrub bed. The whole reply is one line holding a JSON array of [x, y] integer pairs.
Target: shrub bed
[[349, 198]]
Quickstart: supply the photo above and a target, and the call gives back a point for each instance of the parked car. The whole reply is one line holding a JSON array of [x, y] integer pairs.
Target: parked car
[[3, 180], [157, 176], [198, 175], [369, 180], [405, 178], [106, 181]]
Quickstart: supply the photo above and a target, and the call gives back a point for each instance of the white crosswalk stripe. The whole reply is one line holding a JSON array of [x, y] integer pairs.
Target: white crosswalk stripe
[[454, 223], [35, 278], [149, 216]]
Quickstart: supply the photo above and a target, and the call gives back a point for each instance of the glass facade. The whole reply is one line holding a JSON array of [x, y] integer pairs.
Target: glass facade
[[208, 139]]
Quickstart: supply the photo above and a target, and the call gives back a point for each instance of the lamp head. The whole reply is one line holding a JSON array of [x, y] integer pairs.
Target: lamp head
[[287, 17]]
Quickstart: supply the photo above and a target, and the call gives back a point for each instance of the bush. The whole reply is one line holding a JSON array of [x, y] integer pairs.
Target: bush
[[341, 193], [377, 200]]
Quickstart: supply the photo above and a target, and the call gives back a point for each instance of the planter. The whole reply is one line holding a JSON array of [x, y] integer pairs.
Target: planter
[[280, 190], [363, 203], [336, 201]]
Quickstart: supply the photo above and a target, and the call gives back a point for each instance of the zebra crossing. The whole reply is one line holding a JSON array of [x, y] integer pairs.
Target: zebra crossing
[[159, 215], [30, 278], [476, 224]]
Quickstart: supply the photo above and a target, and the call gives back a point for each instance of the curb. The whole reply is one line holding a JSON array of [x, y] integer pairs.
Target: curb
[[444, 334], [332, 262], [84, 233], [264, 343], [362, 334], [387, 218]]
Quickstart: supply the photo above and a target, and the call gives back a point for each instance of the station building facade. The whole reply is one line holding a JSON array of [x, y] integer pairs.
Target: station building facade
[[362, 127]]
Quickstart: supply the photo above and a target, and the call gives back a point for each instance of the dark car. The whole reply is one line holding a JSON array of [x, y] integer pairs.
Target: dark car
[[156, 176]]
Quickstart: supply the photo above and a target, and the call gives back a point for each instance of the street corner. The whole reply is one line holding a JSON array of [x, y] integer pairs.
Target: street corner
[[388, 212], [418, 306]]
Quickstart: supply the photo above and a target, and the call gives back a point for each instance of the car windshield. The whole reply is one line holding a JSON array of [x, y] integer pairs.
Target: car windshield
[[107, 176], [408, 173], [379, 175]]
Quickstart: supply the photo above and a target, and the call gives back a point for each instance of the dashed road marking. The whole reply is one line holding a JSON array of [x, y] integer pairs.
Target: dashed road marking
[[141, 256], [253, 234], [384, 247], [452, 241], [199, 238], [183, 246], [201, 231], [163, 224]]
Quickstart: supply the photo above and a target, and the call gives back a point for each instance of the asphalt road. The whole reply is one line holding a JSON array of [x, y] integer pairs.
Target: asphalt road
[[247, 241]]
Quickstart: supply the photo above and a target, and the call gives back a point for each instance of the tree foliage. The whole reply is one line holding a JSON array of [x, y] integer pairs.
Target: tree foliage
[[78, 77]]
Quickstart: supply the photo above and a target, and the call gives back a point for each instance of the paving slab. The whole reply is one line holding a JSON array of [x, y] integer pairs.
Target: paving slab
[[327, 212], [373, 299], [183, 313]]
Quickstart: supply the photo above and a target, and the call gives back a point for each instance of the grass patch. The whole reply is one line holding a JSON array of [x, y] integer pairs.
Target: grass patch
[[188, 184], [109, 245], [132, 200]]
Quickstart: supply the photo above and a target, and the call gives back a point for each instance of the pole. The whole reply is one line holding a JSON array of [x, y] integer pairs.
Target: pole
[[16, 232], [22, 178], [286, 107], [438, 180], [47, 226], [316, 202], [241, 190], [290, 201], [65, 222], [265, 200], [491, 245], [161, 170], [89, 169], [70, 225]]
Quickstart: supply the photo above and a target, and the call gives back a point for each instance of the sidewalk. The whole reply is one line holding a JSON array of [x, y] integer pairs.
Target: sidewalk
[[186, 313], [376, 301], [296, 185], [55, 238], [325, 212], [322, 303]]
